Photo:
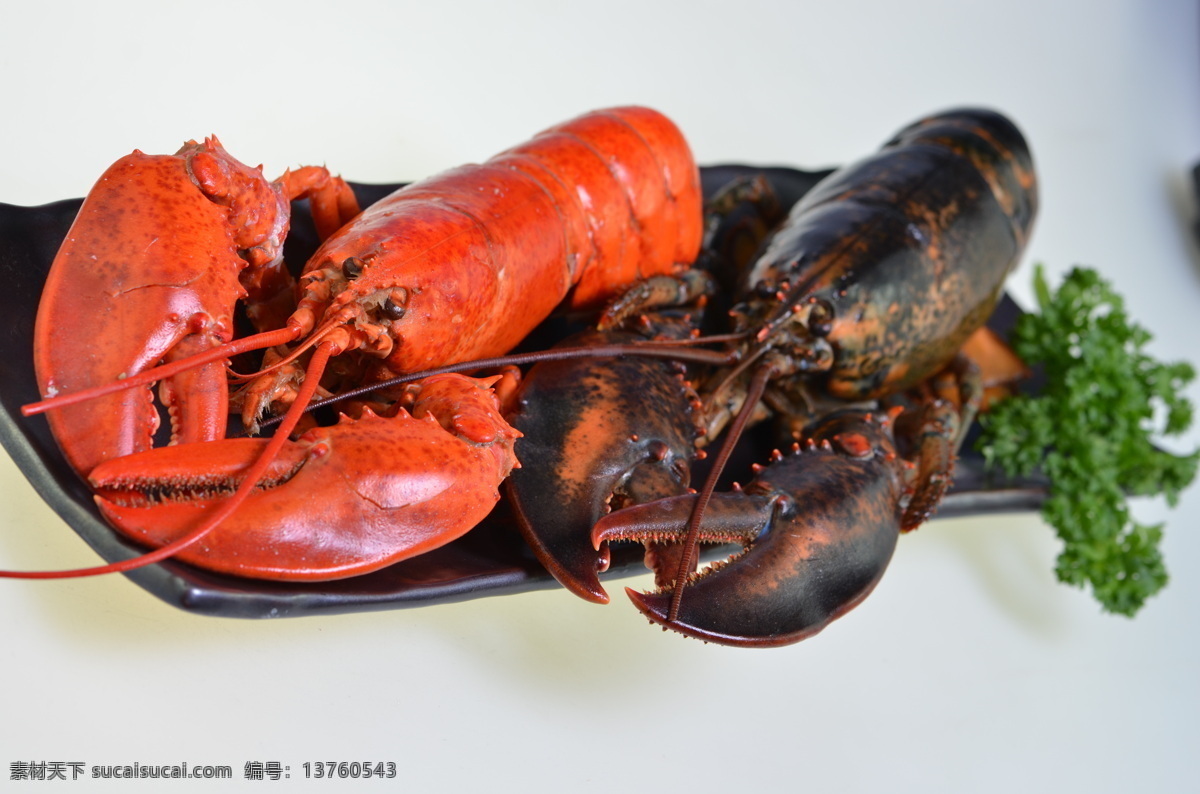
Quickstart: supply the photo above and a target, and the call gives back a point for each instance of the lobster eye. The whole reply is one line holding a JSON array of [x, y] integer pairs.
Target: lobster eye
[[352, 268], [813, 355], [820, 318], [393, 310]]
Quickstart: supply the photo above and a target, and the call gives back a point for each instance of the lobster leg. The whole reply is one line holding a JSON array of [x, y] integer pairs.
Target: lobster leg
[[654, 293], [935, 463], [946, 407], [339, 501]]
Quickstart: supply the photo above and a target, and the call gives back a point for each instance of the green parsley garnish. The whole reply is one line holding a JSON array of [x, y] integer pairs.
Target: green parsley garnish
[[1090, 431]]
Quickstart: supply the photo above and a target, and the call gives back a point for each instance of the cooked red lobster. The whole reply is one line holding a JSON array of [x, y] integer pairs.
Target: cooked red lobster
[[457, 267]]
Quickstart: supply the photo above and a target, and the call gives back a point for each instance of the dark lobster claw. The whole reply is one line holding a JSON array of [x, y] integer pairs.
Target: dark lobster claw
[[596, 437], [819, 527], [600, 434]]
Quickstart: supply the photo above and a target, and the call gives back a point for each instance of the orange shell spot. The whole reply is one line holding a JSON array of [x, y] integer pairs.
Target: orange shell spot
[[854, 444]]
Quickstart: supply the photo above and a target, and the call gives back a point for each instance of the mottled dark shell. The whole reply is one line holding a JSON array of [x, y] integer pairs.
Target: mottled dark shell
[[910, 247]]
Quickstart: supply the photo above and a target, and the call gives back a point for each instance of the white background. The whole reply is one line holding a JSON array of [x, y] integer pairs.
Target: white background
[[969, 668]]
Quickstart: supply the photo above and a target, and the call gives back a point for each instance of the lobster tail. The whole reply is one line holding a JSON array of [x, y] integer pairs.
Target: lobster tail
[[465, 264], [641, 212]]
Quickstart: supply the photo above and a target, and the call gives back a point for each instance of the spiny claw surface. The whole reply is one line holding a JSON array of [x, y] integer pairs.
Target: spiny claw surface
[[340, 501], [820, 528], [597, 435]]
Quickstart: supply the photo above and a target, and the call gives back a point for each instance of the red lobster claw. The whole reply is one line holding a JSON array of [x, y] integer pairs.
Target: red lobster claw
[[340, 501], [162, 248]]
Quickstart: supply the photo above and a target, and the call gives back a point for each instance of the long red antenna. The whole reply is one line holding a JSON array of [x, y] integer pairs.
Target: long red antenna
[[154, 374], [674, 349], [312, 377]]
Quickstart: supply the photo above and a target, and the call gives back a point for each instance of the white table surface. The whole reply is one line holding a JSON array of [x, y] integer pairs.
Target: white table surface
[[969, 668]]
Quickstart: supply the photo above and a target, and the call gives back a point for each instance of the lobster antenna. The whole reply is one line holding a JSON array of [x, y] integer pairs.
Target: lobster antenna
[[252, 475], [687, 563], [146, 377], [675, 349], [314, 338], [736, 372]]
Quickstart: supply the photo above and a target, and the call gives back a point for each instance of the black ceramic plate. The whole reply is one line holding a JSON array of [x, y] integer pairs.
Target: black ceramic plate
[[490, 560]]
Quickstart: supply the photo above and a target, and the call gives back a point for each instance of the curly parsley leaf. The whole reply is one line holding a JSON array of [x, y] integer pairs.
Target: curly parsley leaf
[[1090, 432]]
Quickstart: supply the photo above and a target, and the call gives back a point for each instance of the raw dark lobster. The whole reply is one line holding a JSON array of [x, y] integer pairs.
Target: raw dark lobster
[[872, 286], [885, 269], [457, 267]]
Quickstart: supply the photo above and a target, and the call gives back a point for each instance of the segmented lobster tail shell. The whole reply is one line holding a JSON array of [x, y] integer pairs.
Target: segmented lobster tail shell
[[639, 169], [479, 255]]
